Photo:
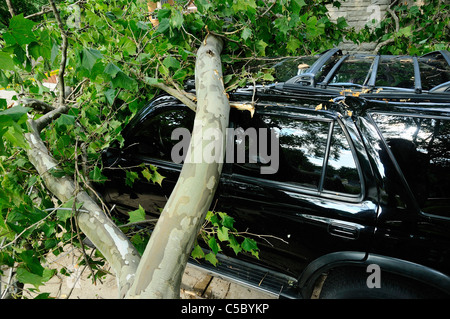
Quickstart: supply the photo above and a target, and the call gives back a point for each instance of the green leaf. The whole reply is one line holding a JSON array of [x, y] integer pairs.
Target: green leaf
[[26, 277], [211, 258], [177, 19], [212, 243], [261, 47], [20, 31], [406, 31], [227, 221], [131, 177], [32, 263], [268, 77], [147, 174], [164, 24], [66, 120], [197, 252], [137, 215], [234, 244], [6, 62], [171, 63], [246, 33], [14, 134], [90, 57], [222, 233], [124, 81], [203, 5], [157, 178], [293, 44], [15, 113], [249, 244], [110, 95], [112, 69]]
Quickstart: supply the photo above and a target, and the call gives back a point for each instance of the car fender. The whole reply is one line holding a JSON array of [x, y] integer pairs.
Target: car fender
[[403, 268]]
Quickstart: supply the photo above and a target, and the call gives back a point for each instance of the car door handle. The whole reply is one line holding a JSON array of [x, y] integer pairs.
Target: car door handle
[[343, 230]]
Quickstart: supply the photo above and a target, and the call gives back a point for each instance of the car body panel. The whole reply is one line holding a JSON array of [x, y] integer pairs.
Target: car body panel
[[302, 219]]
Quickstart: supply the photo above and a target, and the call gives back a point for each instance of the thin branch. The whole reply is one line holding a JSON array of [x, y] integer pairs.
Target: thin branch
[[182, 96], [74, 208], [37, 14], [397, 28], [10, 8], [62, 67]]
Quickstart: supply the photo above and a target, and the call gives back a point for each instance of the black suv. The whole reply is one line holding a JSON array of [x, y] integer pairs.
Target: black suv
[[361, 192]]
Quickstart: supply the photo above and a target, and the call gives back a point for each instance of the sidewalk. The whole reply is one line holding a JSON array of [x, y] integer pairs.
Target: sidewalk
[[196, 284]]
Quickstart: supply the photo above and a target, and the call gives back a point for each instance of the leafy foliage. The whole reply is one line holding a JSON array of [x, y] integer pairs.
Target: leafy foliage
[[419, 30], [219, 228]]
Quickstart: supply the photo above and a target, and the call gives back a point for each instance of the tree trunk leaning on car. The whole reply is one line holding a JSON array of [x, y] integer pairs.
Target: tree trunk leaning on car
[[158, 273], [162, 265]]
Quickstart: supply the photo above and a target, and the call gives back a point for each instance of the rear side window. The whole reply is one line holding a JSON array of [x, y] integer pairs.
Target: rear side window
[[313, 154], [421, 147]]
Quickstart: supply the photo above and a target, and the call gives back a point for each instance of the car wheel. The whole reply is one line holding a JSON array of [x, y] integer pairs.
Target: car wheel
[[351, 283]]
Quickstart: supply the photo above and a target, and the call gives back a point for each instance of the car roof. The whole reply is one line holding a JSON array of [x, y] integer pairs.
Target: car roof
[[378, 77]]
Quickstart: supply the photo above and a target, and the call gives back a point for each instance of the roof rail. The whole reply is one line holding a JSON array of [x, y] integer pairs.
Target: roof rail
[[330, 74], [441, 88], [372, 75], [417, 78], [309, 77]]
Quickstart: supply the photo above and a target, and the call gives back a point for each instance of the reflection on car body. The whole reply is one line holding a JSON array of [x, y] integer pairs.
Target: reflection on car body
[[351, 189]]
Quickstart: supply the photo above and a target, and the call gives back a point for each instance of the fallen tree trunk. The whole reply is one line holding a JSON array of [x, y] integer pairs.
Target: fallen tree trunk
[[162, 265]]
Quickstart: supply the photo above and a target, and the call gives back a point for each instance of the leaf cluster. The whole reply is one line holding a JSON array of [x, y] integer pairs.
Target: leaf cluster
[[219, 229], [419, 29]]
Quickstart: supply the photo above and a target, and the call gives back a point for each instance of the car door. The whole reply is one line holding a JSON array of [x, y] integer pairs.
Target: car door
[[311, 198], [148, 144]]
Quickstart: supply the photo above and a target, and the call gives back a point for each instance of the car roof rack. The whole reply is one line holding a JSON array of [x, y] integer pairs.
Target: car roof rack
[[307, 82], [309, 78]]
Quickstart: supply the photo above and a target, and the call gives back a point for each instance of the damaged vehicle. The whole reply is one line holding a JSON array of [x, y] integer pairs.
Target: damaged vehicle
[[356, 201]]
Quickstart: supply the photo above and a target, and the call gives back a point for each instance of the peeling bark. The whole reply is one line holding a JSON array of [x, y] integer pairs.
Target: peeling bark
[[164, 260]]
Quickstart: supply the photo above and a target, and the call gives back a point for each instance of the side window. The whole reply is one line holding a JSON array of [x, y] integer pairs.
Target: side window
[[421, 147], [153, 136], [342, 174], [301, 152]]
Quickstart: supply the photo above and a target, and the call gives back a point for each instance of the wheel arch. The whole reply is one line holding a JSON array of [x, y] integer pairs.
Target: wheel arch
[[401, 268]]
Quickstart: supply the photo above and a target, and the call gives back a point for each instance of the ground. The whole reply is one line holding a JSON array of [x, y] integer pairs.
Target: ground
[[77, 284]]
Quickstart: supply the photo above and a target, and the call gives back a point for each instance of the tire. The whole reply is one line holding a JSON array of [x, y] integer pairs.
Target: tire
[[350, 283]]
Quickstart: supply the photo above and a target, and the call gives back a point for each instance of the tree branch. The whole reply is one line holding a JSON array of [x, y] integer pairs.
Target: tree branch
[[37, 105], [10, 8], [91, 219], [397, 28], [64, 46], [182, 96]]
